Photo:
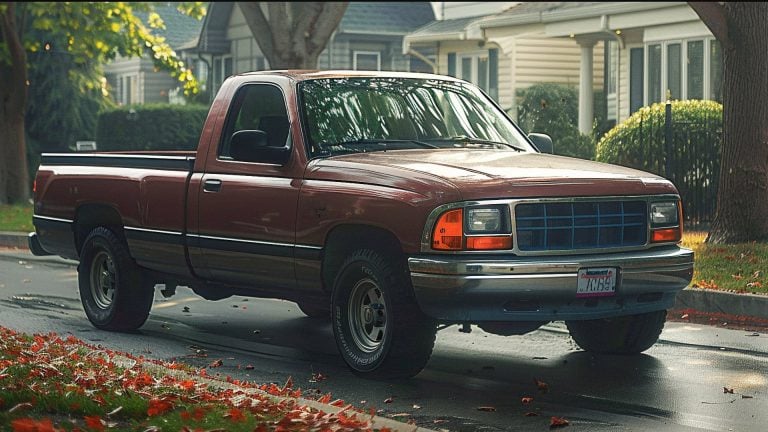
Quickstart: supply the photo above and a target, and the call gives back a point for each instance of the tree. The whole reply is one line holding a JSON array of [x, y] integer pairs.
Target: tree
[[742, 201], [292, 35], [90, 33]]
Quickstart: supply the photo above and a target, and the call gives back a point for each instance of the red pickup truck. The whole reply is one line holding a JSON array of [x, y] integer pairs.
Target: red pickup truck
[[393, 204]]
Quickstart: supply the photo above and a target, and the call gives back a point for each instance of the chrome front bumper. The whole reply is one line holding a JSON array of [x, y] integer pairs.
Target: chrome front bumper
[[473, 288]]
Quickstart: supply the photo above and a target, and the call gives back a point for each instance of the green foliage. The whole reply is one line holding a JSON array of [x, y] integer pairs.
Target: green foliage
[[639, 141], [553, 109], [92, 33], [151, 127]]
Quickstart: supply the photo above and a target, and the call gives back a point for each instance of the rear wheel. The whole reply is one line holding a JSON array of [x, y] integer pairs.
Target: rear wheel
[[112, 289], [379, 328], [630, 334]]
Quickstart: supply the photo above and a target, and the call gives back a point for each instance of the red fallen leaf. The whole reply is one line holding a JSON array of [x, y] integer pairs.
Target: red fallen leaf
[[158, 407], [317, 377], [486, 409], [198, 414], [288, 384], [338, 403], [249, 367], [531, 414], [727, 390], [94, 423], [216, 363], [526, 400], [187, 385], [556, 422], [30, 425], [235, 415], [542, 386], [325, 399], [389, 400]]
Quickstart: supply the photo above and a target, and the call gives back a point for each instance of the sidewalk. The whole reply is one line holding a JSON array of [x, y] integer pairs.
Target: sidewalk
[[702, 300]]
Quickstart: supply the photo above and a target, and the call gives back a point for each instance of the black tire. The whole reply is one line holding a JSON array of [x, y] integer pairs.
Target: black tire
[[114, 295], [379, 328], [314, 310], [630, 334]]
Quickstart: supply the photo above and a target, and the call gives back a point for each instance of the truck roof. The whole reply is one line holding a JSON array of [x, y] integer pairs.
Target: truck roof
[[303, 75]]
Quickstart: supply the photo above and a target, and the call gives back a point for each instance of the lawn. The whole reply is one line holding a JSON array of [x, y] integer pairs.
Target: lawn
[[16, 218], [738, 268]]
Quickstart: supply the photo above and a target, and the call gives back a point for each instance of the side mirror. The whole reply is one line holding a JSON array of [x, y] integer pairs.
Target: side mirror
[[251, 146], [542, 142]]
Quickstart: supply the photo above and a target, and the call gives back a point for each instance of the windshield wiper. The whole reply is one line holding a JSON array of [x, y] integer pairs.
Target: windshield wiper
[[463, 139]]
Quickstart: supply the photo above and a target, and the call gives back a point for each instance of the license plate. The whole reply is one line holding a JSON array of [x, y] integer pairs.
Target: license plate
[[596, 282]]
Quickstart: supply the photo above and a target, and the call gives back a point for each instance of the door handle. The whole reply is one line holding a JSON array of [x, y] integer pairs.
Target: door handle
[[212, 185]]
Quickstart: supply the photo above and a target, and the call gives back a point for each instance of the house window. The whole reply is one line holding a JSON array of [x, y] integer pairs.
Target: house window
[[473, 67], [366, 60], [688, 69], [695, 75], [715, 71], [222, 68], [674, 72], [654, 74]]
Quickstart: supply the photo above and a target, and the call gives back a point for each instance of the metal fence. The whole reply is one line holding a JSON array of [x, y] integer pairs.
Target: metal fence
[[692, 162]]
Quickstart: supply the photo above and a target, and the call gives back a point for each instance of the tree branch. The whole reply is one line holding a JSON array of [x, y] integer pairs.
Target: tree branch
[[260, 28], [715, 18], [281, 28]]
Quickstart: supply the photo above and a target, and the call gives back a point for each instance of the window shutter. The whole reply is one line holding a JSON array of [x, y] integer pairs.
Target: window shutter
[[452, 64], [493, 73]]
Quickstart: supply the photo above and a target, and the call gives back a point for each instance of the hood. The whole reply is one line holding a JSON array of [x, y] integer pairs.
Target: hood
[[488, 174]]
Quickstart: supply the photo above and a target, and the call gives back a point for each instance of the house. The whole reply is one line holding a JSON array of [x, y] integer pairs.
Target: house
[[638, 52], [369, 37], [136, 80], [503, 63]]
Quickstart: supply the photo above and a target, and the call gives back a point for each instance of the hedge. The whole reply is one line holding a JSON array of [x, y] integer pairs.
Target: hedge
[[150, 127]]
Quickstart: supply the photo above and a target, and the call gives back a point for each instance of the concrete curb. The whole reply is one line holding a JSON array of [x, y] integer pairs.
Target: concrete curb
[[709, 301]]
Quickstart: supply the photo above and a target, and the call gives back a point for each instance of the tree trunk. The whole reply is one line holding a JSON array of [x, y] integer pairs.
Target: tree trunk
[[14, 179], [292, 35], [742, 201]]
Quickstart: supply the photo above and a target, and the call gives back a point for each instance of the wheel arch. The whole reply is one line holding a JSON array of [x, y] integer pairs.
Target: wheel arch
[[90, 216], [345, 239]]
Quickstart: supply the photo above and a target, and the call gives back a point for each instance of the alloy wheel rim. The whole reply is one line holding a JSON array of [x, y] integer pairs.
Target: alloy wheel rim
[[103, 280], [367, 315]]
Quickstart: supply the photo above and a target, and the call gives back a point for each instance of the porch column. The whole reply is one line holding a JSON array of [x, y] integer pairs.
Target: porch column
[[586, 92]]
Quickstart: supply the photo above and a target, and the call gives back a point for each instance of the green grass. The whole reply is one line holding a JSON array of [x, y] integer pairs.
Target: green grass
[[16, 218], [739, 268]]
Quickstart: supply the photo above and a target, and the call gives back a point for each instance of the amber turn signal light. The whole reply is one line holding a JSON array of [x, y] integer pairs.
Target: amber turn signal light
[[448, 233], [666, 235], [489, 243]]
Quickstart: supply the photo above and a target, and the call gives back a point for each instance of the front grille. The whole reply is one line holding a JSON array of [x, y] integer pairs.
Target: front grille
[[580, 225]]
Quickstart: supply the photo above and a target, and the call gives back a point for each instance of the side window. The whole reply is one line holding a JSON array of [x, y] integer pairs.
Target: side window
[[256, 107]]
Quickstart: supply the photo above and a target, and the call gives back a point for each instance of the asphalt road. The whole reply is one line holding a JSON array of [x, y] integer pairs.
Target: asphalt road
[[677, 385]]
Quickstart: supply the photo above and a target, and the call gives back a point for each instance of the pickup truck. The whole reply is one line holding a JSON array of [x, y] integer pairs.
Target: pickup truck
[[390, 204]]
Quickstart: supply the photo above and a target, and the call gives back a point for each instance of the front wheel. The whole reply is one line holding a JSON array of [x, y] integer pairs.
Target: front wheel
[[630, 334], [112, 289], [379, 328]]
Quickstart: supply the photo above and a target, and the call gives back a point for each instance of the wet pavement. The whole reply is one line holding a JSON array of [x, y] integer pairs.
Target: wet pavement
[[473, 382]]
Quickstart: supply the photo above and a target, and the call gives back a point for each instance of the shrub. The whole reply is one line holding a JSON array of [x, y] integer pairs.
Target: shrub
[[151, 127], [554, 109], [639, 141]]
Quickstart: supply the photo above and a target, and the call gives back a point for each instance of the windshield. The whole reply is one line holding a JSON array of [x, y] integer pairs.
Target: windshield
[[353, 115]]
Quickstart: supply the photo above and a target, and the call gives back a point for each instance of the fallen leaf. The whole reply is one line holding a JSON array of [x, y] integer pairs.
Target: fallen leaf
[[416, 406], [389, 400], [556, 422], [526, 400], [216, 363], [541, 385], [531, 414], [399, 415], [317, 377], [114, 411], [684, 316], [21, 406], [249, 367], [727, 390], [486, 408]]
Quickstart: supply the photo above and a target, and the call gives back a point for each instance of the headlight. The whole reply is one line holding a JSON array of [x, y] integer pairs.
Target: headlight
[[484, 220], [664, 214], [473, 228]]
